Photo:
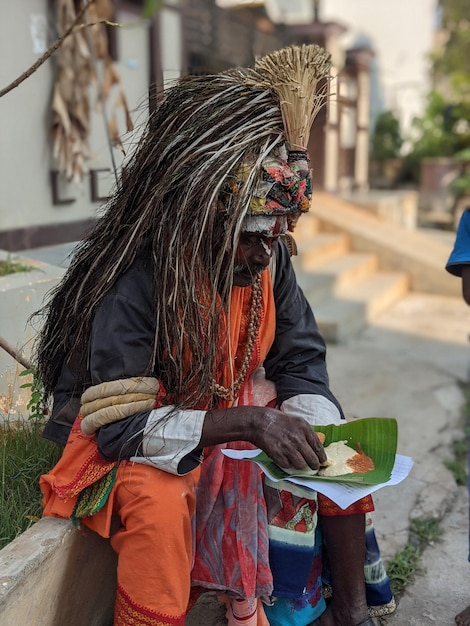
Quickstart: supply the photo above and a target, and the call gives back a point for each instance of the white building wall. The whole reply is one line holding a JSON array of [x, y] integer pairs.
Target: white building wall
[[25, 144], [170, 43], [24, 114], [401, 33]]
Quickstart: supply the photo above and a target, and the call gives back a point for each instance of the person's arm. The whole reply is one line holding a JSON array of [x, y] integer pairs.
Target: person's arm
[[466, 283], [287, 439], [296, 362], [459, 260], [121, 347]]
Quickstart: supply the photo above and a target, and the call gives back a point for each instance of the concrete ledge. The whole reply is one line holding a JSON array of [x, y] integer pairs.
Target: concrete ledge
[[423, 258], [52, 574], [56, 575], [21, 295]]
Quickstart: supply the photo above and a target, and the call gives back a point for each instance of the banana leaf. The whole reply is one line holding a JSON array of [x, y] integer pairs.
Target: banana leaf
[[377, 437]]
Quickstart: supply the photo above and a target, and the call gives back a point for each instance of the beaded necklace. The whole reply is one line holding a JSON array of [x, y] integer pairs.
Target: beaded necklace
[[254, 322]]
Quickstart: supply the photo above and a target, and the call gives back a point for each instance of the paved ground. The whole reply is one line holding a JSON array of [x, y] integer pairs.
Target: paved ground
[[409, 365]]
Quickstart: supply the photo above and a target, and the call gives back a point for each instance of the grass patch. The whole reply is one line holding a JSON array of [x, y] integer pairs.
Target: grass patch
[[403, 568], [9, 266], [457, 466], [425, 532], [24, 456]]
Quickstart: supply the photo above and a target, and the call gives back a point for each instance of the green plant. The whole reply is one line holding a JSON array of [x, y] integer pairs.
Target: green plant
[[457, 471], [460, 186], [24, 456], [386, 138], [151, 7], [425, 532], [458, 465], [9, 266], [403, 568], [442, 131], [449, 63], [35, 406]]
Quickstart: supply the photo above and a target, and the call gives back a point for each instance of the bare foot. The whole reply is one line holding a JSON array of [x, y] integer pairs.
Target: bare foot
[[463, 618]]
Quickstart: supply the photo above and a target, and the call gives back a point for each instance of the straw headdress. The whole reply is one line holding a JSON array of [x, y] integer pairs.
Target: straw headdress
[[299, 77]]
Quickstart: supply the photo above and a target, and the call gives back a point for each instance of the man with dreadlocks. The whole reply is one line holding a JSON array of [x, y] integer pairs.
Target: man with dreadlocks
[[179, 330]]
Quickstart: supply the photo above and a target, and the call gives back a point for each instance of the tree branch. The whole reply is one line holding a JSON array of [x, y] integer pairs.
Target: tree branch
[[50, 51], [16, 354]]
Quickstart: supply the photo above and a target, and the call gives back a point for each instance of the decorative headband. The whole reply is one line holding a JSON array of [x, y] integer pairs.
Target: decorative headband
[[299, 78], [283, 186]]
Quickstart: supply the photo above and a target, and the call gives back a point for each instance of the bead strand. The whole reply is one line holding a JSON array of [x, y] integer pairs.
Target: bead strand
[[254, 322]]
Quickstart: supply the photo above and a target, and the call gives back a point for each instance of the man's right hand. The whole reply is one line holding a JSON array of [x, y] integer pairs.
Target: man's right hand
[[288, 440]]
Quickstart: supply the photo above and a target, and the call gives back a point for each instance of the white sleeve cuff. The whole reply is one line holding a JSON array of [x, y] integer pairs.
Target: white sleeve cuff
[[314, 408], [167, 442]]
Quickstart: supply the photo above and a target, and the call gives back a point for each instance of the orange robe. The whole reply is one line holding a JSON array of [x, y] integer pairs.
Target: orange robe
[[154, 542]]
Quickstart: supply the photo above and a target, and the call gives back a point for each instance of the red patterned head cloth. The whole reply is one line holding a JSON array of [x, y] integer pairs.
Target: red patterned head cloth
[[280, 185], [282, 190]]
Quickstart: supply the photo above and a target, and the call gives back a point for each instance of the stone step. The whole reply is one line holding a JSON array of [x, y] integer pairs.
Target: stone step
[[307, 226], [352, 307], [345, 288], [338, 320], [319, 248], [420, 255], [330, 276]]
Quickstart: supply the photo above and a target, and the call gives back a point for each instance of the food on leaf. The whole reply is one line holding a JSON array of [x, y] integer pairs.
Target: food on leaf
[[341, 459]]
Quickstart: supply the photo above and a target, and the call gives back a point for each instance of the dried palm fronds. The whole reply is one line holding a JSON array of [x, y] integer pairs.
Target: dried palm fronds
[[75, 74], [299, 77]]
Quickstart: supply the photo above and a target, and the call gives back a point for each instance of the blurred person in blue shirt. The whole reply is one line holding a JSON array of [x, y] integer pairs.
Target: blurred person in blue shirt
[[459, 265]]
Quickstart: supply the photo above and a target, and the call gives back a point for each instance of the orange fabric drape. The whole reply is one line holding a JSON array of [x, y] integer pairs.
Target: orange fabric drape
[[143, 495], [238, 321]]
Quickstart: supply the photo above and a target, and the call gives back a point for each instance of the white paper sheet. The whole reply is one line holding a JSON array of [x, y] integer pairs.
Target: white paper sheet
[[341, 493]]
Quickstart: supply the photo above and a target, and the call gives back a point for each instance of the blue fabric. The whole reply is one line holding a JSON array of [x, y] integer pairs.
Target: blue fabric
[[308, 606], [468, 489], [460, 254], [284, 613], [378, 590], [292, 522], [289, 581]]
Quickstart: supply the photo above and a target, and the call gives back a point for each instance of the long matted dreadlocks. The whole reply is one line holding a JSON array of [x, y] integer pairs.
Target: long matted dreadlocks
[[166, 207]]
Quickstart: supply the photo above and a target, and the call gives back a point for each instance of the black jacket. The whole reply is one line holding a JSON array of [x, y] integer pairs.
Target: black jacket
[[121, 345]]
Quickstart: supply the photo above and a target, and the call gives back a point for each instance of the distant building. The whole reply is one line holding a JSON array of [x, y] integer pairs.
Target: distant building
[[402, 35], [39, 207]]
